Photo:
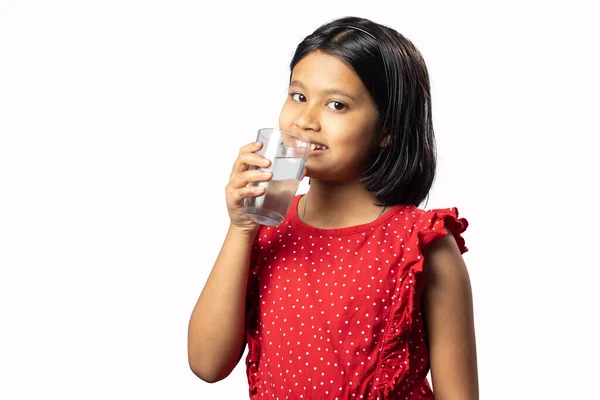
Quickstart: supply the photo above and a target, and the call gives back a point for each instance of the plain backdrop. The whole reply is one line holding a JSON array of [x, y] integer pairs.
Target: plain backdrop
[[119, 124]]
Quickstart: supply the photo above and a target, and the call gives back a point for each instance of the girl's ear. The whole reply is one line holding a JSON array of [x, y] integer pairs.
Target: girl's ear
[[385, 141]]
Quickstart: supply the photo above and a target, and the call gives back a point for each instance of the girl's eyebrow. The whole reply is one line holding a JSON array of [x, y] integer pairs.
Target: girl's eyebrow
[[326, 91]]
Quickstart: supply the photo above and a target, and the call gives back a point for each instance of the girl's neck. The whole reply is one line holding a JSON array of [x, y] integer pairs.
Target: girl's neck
[[331, 205]]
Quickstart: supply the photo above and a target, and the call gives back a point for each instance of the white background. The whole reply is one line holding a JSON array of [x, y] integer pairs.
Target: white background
[[119, 123]]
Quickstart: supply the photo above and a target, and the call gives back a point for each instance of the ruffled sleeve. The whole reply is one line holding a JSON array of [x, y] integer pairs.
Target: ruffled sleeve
[[434, 224], [404, 356]]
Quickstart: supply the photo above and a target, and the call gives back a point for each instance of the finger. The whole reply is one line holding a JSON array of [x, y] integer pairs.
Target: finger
[[244, 178], [245, 160], [238, 195], [251, 147], [248, 148]]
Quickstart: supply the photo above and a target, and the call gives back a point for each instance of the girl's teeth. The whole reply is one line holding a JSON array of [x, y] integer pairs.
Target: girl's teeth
[[300, 143]]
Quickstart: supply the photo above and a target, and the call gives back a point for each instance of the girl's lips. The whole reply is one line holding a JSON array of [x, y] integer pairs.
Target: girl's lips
[[317, 153]]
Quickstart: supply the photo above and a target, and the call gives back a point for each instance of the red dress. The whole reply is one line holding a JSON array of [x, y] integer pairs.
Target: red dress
[[336, 313]]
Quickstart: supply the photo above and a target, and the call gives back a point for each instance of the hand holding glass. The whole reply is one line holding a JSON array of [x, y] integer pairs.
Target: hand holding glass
[[288, 154]]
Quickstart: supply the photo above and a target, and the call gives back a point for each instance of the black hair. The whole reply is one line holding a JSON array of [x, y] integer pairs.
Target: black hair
[[395, 74]]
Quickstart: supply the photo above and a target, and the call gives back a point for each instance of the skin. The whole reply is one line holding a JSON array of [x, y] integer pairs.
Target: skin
[[328, 103], [216, 327], [448, 313]]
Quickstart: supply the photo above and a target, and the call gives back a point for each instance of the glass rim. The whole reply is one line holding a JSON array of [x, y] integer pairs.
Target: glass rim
[[292, 134]]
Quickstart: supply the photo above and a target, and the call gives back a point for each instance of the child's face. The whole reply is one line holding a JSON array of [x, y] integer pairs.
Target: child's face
[[328, 103]]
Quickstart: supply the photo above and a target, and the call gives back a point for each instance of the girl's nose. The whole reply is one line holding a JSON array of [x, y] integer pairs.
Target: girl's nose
[[307, 119]]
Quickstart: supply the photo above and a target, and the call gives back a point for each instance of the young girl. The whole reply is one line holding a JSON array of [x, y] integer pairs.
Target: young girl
[[359, 292]]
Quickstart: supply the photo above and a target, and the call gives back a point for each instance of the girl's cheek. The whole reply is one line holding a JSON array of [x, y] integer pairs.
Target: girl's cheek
[[282, 117], [285, 117]]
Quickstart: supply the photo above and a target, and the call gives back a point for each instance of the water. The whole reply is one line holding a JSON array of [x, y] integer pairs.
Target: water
[[272, 207]]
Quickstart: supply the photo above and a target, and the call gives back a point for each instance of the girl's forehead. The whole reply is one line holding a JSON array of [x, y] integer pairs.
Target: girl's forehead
[[319, 69]]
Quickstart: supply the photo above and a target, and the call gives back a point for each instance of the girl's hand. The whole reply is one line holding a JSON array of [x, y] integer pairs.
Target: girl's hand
[[236, 190]]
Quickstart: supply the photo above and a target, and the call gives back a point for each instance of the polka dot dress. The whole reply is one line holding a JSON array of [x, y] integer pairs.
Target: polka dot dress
[[336, 313]]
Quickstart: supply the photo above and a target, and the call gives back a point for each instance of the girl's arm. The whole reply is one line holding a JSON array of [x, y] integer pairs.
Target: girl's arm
[[216, 327], [448, 312]]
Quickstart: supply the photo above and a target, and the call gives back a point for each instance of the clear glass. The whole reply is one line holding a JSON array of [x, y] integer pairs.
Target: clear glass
[[288, 153]]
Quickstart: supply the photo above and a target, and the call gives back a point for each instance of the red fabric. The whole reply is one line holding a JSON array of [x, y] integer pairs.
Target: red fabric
[[336, 314]]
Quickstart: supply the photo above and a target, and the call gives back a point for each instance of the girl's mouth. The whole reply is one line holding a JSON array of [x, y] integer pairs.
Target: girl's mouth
[[317, 149]]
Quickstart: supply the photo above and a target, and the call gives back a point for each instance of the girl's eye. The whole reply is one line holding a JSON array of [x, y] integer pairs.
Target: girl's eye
[[336, 105], [298, 97]]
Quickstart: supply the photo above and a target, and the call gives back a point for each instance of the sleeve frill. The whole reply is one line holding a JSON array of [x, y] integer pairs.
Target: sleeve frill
[[395, 351]]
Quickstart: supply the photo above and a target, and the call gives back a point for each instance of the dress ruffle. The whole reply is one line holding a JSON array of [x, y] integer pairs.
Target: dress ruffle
[[435, 224], [396, 350], [252, 358]]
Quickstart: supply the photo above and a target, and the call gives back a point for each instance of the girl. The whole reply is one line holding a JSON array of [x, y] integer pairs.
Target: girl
[[359, 292]]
